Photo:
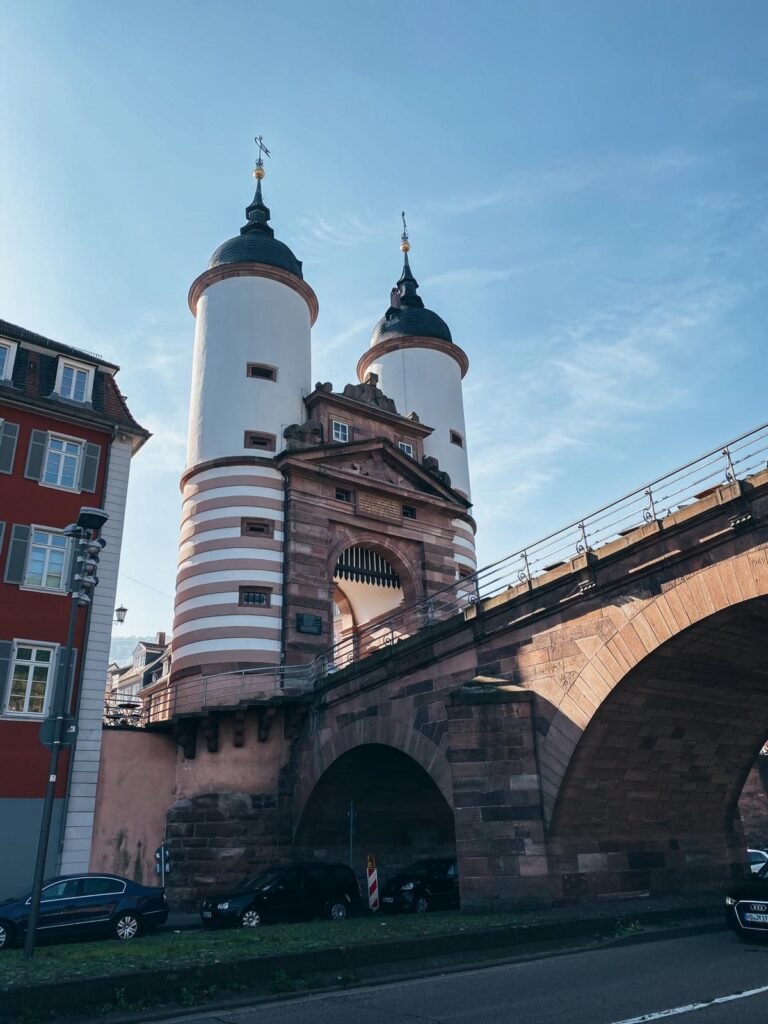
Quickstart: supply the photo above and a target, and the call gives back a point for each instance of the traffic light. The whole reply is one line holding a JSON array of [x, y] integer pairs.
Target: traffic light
[[86, 561]]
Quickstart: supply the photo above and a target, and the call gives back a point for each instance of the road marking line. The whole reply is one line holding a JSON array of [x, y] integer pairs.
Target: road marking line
[[690, 1007]]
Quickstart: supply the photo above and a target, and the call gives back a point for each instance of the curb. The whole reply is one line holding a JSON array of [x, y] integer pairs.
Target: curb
[[255, 973]]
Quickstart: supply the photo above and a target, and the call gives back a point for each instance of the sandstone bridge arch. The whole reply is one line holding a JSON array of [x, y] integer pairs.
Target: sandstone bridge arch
[[648, 750], [399, 783]]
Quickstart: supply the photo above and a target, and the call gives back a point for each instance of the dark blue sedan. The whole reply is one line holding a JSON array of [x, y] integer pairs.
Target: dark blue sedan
[[86, 906]]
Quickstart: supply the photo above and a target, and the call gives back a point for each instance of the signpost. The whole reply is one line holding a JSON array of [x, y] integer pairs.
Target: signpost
[[162, 862], [68, 735]]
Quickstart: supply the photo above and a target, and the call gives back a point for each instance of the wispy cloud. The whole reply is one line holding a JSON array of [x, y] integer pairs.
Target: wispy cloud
[[539, 184], [592, 379]]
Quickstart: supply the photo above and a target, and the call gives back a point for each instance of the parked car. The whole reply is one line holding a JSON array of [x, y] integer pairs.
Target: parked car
[[426, 885], [85, 906], [292, 892], [756, 860], [746, 906]]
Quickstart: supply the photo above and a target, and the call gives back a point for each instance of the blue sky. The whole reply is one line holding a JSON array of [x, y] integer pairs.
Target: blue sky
[[586, 190]]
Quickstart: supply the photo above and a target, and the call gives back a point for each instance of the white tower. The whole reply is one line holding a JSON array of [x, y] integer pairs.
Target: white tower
[[250, 372], [421, 367]]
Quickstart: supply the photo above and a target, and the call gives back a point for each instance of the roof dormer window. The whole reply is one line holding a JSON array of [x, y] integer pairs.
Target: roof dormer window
[[74, 381], [340, 431], [7, 358]]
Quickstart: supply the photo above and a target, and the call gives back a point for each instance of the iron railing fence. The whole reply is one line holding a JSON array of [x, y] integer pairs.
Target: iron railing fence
[[740, 458]]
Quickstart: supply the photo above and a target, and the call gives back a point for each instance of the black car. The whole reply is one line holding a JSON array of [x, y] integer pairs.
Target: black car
[[746, 906], [293, 892], [425, 885], [85, 906]]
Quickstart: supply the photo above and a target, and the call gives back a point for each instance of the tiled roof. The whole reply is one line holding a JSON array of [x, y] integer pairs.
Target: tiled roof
[[34, 378]]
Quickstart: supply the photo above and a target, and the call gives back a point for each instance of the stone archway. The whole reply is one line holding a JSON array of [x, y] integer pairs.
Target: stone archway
[[391, 732], [643, 621], [399, 813], [648, 800]]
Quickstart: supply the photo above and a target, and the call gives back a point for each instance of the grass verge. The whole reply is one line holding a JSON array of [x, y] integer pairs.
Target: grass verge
[[167, 950]]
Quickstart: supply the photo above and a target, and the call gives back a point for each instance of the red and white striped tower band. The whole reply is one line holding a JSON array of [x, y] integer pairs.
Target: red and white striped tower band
[[373, 883]]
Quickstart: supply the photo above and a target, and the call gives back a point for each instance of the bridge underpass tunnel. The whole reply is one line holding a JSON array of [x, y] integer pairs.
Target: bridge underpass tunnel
[[401, 815], [368, 588], [649, 801]]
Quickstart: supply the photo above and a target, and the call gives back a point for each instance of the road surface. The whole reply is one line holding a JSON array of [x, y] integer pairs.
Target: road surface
[[670, 980]]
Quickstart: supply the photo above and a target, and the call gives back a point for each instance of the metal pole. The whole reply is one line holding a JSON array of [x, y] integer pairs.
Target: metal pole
[[60, 688], [351, 814]]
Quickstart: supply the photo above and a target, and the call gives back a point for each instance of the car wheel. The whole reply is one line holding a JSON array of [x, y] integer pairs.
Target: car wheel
[[251, 918], [126, 926], [337, 911], [6, 935], [421, 906]]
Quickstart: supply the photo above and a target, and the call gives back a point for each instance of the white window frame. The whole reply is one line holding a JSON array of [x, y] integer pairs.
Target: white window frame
[[404, 447], [52, 436], [35, 716], [73, 364], [344, 428], [41, 588], [10, 359]]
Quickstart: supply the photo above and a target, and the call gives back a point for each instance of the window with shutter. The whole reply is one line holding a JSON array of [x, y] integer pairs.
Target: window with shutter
[[90, 469], [6, 650], [62, 462], [30, 679], [16, 559], [9, 433], [38, 442]]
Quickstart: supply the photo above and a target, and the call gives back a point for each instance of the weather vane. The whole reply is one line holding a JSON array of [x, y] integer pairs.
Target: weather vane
[[258, 171], [405, 245]]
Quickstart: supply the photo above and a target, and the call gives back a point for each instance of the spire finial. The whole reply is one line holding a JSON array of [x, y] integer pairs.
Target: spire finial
[[258, 212], [258, 170], [405, 245]]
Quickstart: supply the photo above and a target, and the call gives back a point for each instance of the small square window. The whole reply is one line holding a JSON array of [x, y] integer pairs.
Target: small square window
[[465, 572], [409, 512], [255, 597], [258, 439], [257, 527], [262, 372], [405, 446], [340, 431], [456, 438], [343, 495]]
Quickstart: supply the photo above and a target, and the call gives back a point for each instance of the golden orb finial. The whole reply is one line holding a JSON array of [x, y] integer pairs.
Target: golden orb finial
[[258, 172], [405, 246]]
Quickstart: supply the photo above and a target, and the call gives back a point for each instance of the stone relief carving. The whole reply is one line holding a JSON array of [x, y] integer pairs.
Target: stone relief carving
[[303, 435], [433, 466], [370, 394]]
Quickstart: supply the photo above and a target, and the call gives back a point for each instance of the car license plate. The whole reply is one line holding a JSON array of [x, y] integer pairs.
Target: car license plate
[[387, 899], [757, 918], [207, 913]]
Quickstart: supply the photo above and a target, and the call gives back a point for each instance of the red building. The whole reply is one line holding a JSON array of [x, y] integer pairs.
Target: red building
[[66, 440]]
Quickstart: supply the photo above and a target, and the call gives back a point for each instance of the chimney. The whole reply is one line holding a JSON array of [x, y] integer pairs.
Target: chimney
[[160, 639]]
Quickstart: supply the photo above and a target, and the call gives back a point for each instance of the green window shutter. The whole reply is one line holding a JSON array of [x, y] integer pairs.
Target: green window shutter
[[9, 433], [90, 469], [38, 442], [16, 559], [2, 534], [6, 653]]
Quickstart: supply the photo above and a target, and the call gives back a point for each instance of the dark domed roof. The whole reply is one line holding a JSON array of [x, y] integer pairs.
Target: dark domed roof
[[256, 248], [407, 314], [404, 321], [256, 242]]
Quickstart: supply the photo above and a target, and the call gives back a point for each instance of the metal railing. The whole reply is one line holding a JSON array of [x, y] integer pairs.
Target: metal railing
[[740, 458]]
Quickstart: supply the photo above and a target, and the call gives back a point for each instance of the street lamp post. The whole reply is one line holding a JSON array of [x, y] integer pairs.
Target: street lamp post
[[83, 580]]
